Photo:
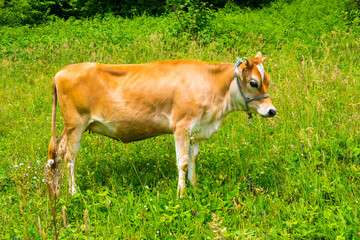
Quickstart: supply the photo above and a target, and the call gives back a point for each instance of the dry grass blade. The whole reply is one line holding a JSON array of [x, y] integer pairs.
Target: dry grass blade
[[216, 227]]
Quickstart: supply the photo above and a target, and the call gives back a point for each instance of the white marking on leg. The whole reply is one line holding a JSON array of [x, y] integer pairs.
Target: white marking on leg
[[193, 152], [72, 185], [71, 165], [182, 160]]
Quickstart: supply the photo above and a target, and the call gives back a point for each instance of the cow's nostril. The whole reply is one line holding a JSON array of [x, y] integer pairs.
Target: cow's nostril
[[272, 112]]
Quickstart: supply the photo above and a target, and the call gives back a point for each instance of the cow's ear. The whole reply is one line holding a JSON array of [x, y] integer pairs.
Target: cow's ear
[[239, 72], [259, 55]]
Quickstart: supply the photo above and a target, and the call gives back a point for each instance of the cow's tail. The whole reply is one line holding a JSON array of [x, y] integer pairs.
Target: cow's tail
[[52, 145]]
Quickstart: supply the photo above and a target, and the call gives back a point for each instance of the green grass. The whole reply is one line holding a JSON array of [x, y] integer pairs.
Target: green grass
[[292, 177]]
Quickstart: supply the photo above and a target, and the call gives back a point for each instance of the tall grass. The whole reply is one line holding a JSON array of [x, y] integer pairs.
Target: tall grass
[[294, 176]]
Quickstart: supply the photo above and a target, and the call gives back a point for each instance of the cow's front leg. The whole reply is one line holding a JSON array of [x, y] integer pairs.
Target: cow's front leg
[[193, 152], [182, 159]]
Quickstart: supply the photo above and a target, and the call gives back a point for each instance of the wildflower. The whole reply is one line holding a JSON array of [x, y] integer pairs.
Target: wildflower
[[21, 164], [248, 178], [43, 180], [302, 146], [16, 166], [50, 162], [261, 213], [34, 178]]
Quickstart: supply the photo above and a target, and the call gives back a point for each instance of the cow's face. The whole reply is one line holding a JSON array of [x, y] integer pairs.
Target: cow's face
[[254, 82]]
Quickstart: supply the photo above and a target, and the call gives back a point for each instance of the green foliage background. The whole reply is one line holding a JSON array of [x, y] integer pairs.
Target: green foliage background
[[22, 12], [292, 177]]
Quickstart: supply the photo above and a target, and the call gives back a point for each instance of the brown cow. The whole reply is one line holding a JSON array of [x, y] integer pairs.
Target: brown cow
[[187, 98]]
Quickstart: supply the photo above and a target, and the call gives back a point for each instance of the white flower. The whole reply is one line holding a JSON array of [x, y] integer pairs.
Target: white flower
[[50, 162], [21, 164], [34, 178], [15, 166]]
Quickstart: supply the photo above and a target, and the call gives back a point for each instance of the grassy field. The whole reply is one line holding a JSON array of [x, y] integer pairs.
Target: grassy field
[[292, 177]]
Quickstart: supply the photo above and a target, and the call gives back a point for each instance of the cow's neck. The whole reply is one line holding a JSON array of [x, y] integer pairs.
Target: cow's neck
[[233, 100]]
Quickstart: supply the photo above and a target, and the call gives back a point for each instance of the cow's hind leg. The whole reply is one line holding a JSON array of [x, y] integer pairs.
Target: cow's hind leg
[[67, 148]]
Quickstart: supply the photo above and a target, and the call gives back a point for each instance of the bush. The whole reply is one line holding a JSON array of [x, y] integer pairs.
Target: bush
[[21, 12], [192, 14], [192, 17]]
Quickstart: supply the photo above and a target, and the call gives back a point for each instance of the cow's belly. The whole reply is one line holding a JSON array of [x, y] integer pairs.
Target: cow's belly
[[129, 130]]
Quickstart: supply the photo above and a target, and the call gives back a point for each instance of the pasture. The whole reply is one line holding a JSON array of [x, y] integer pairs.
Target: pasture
[[295, 176]]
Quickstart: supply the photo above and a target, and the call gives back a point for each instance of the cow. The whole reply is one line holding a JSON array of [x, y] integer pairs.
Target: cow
[[132, 102]]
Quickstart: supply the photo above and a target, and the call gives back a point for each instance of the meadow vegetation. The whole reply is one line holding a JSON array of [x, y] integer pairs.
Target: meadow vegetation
[[292, 177]]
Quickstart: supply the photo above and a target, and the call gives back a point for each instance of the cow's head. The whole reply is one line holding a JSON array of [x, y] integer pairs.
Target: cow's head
[[253, 84]]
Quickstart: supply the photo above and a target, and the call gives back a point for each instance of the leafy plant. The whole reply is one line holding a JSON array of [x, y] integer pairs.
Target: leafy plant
[[192, 17]]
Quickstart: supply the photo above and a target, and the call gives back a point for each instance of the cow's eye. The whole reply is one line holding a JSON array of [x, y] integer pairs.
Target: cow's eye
[[253, 84]]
